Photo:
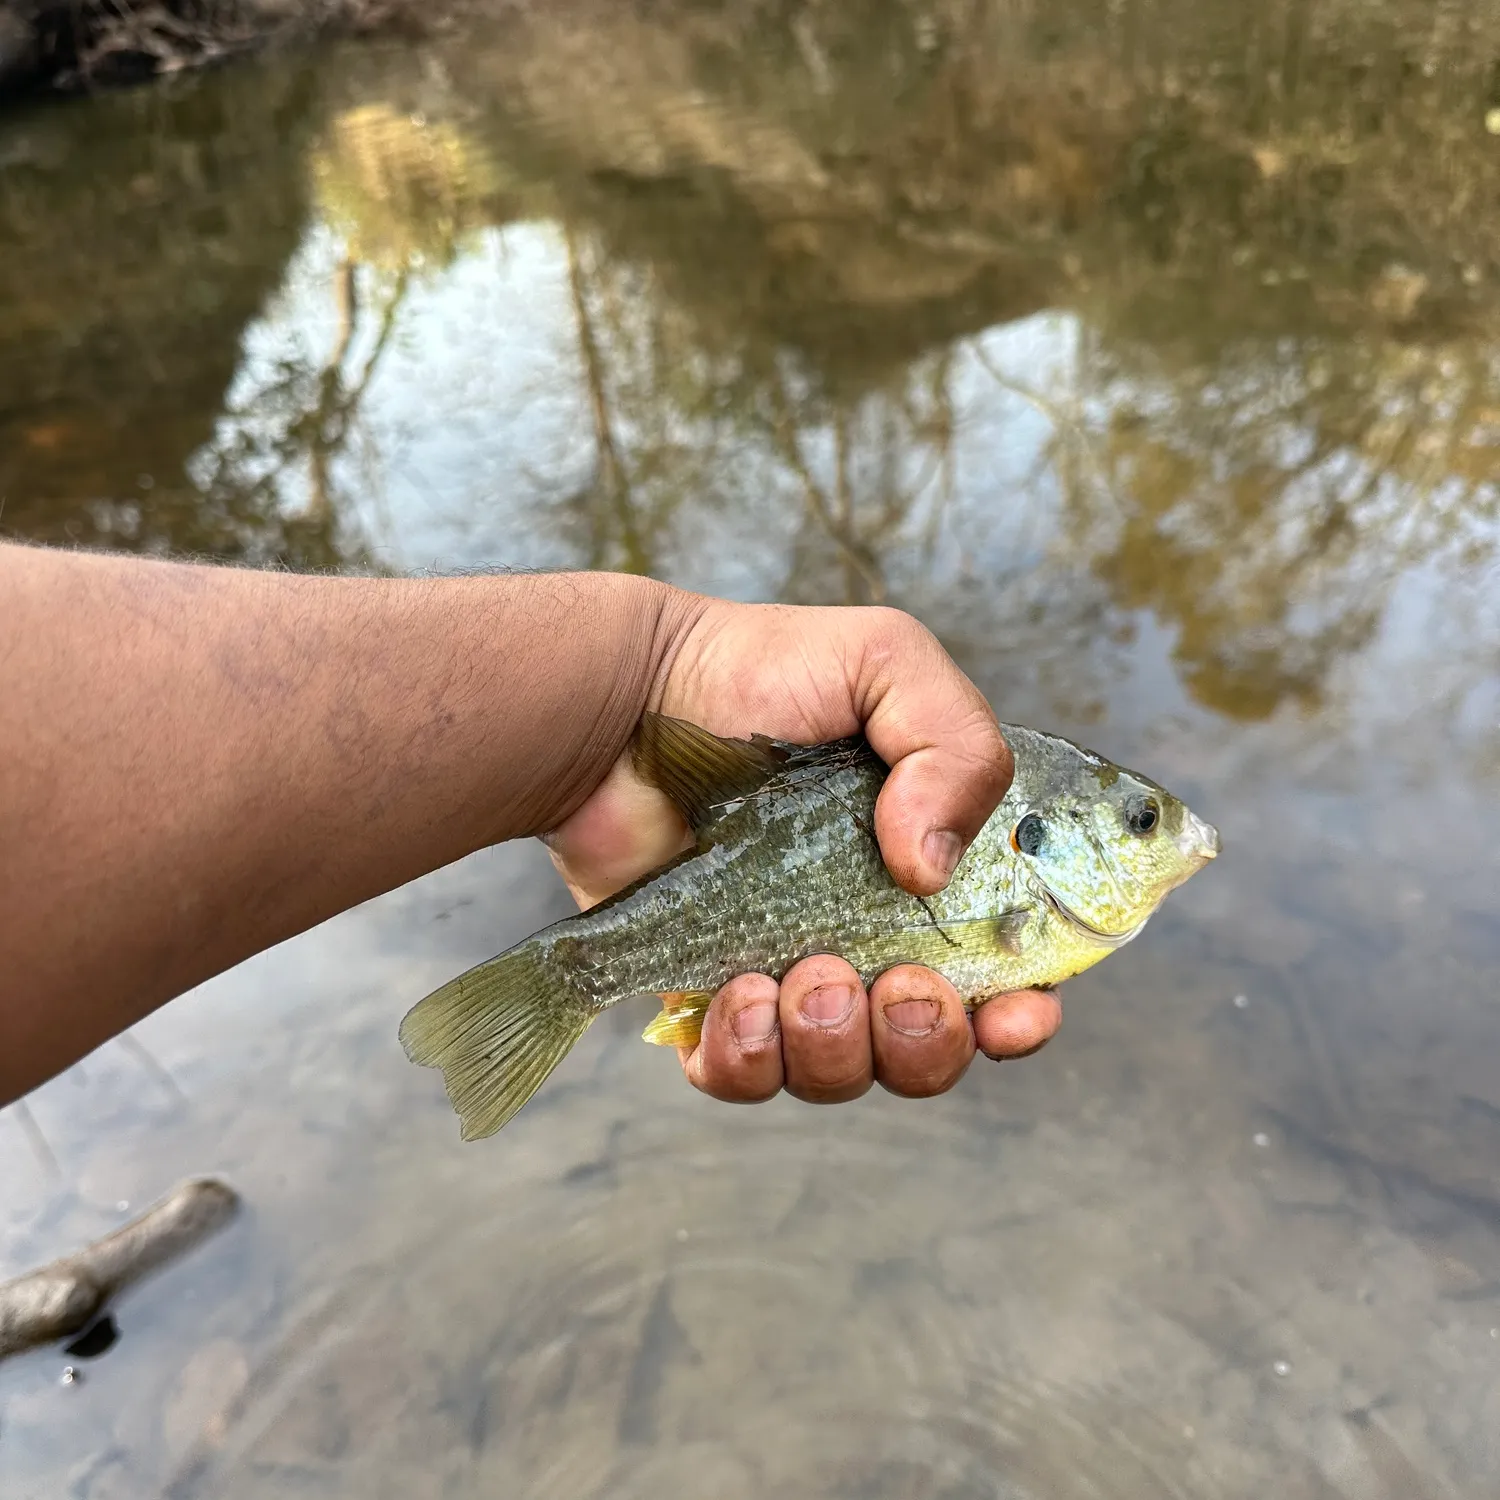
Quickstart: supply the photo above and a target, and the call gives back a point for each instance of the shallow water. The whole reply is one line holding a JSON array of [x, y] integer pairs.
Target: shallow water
[[1151, 357]]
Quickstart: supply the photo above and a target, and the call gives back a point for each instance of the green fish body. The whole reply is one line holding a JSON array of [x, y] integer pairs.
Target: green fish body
[[1071, 866]]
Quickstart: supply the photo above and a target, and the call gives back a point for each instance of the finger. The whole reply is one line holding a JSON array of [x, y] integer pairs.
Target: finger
[[922, 1039], [738, 1057], [622, 831], [825, 1031], [950, 765], [1019, 1024]]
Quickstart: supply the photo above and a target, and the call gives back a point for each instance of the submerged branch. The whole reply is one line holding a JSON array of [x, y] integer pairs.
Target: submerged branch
[[39, 1144], [63, 1298]]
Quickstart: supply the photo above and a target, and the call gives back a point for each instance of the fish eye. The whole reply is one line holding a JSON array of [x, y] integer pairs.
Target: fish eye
[[1030, 834], [1141, 816]]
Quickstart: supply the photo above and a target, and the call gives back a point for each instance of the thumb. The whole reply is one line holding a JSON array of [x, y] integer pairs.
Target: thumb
[[950, 765]]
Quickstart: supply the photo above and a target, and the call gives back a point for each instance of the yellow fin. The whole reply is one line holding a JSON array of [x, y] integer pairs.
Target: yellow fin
[[496, 1032], [680, 1021], [1005, 932]]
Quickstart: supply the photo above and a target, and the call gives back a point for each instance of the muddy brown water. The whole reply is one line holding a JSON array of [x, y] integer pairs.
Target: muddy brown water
[[1153, 358]]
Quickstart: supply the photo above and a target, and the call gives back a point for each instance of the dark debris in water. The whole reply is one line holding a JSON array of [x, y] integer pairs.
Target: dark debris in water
[[98, 1338]]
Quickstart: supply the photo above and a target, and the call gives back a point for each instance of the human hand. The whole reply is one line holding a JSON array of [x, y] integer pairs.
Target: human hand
[[808, 675]]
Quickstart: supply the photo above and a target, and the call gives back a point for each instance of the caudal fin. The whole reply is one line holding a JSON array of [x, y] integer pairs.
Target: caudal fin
[[496, 1032]]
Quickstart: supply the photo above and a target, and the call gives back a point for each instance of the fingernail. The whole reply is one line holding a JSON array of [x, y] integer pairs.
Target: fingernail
[[754, 1023], [828, 1004], [913, 1017], [942, 849]]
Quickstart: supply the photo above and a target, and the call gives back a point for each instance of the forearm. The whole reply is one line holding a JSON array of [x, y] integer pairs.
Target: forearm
[[196, 763]]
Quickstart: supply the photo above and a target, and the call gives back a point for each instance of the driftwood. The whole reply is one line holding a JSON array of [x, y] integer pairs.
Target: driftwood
[[74, 45], [63, 1298]]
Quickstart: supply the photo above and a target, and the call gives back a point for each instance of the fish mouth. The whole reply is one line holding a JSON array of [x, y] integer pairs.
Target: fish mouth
[[1109, 939], [1198, 841]]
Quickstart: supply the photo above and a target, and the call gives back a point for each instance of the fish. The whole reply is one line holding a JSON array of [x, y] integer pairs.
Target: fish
[[1077, 857]]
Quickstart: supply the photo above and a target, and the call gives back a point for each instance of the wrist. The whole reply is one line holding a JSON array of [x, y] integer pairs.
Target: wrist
[[608, 641]]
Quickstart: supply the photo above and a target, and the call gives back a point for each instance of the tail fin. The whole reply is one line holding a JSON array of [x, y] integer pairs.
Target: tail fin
[[496, 1032]]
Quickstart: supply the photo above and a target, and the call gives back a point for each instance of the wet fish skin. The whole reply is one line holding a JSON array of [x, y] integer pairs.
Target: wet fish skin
[[787, 865]]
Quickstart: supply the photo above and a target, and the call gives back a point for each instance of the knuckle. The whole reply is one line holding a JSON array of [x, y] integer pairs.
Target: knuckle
[[724, 1081], [921, 1085], [884, 622], [835, 1092], [758, 1094], [826, 1067], [934, 1068], [890, 634], [979, 741]]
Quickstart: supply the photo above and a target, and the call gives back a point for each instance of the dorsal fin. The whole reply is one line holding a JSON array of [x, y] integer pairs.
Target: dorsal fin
[[699, 770]]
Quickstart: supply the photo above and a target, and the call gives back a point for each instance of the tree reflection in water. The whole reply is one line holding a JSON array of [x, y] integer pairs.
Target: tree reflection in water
[[783, 281]]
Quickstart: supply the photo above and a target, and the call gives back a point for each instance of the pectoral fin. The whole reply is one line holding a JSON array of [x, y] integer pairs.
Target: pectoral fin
[[1007, 930], [940, 942]]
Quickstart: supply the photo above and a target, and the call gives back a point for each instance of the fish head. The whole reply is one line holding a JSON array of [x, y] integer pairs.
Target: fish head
[[1103, 845]]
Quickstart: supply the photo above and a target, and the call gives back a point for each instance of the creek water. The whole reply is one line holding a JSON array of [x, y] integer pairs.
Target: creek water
[[1152, 357]]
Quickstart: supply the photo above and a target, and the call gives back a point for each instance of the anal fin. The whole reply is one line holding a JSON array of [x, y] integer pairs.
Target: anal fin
[[680, 1021]]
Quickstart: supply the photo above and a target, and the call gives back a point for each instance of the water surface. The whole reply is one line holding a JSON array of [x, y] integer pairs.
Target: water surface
[[1153, 358]]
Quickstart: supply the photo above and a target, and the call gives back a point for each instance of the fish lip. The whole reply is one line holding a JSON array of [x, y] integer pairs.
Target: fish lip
[[1198, 840], [1110, 939]]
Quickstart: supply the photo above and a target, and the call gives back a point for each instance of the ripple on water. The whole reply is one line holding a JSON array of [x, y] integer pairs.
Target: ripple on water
[[749, 1318], [609, 1367]]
